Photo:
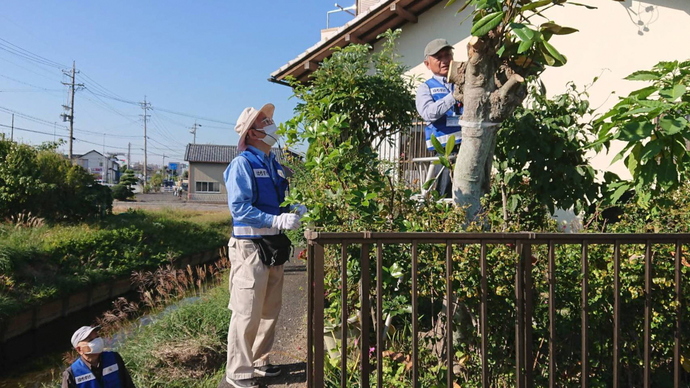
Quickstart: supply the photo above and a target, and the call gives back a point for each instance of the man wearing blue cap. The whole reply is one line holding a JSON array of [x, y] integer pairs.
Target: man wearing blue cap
[[95, 368]]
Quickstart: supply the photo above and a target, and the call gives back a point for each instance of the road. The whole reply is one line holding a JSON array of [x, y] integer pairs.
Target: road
[[165, 200]]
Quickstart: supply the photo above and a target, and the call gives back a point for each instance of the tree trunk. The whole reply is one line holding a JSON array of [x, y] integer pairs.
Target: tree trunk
[[490, 90]]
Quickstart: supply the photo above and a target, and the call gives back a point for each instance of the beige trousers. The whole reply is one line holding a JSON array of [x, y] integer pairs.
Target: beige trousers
[[256, 293]]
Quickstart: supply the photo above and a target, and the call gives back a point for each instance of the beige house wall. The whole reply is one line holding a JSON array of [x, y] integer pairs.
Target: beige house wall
[[614, 40], [207, 172]]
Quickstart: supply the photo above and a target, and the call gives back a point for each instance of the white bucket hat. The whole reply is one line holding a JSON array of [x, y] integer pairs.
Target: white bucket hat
[[246, 119]]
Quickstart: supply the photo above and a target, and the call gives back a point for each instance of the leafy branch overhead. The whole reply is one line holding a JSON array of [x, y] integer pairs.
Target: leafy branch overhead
[[519, 39], [653, 124]]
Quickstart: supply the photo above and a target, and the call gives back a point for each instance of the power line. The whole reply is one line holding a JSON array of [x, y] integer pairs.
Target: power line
[[193, 116], [29, 70], [28, 117], [107, 106], [28, 84], [26, 130], [28, 55], [102, 88]]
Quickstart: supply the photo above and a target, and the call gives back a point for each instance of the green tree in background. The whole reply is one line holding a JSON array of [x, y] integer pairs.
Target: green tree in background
[[41, 182]]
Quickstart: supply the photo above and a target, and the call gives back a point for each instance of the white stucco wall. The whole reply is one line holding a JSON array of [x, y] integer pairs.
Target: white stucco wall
[[614, 40]]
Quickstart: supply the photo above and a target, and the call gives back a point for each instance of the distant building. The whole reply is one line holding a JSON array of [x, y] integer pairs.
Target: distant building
[[207, 163], [104, 169]]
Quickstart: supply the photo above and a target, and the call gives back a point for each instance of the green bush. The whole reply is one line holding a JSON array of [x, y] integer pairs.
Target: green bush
[[122, 192], [40, 182]]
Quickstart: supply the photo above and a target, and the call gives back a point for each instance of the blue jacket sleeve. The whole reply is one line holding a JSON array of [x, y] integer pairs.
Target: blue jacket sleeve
[[239, 182], [429, 109]]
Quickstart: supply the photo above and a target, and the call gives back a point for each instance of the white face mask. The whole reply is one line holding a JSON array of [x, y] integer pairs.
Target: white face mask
[[270, 131], [96, 346]]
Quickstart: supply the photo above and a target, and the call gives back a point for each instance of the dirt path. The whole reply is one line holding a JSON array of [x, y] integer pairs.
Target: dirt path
[[289, 350]]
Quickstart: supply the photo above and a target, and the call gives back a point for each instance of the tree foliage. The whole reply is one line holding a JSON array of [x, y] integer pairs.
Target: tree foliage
[[540, 157], [653, 124], [354, 100], [41, 182]]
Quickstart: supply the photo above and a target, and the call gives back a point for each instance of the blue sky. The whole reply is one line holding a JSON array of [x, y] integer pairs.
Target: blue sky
[[200, 61]]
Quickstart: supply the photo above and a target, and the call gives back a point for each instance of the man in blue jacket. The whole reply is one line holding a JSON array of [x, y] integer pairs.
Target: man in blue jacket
[[437, 106], [95, 368], [256, 186]]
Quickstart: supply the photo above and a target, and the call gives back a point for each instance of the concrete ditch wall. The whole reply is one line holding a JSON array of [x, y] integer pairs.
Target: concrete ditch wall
[[33, 326]]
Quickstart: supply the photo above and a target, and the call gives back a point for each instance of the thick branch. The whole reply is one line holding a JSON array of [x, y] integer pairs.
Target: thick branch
[[505, 99], [456, 75]]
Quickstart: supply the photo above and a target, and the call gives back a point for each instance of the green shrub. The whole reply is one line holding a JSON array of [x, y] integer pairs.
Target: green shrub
[[122, 192], [41, 182]]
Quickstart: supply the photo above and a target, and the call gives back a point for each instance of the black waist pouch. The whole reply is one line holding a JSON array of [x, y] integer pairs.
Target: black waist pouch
[[274, 249]]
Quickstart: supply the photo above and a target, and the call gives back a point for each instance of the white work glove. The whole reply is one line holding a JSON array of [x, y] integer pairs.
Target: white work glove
[[286, 221], [300, 209]]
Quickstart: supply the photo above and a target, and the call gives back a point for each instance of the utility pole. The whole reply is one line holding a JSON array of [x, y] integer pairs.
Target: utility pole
[[104, 171], [70, 116], [12, 133], [193, 130], [145, 106], [129, 153]]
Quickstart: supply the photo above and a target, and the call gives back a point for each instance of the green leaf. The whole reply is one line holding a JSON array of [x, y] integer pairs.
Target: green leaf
[[461, 8], [673, 93], [583, 5], [437, 144], [643, 75], [632, 161], [644, 92], [636, 130], [673, 125], [535, 5], [616, 195], [396, 271], [556, 29], [522, 31], [524, 46], [651, 150], [487, 23], [667, 174], [557, 55], [450, 145]]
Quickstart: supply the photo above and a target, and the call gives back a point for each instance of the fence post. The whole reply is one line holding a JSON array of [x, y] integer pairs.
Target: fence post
[[315, 305]]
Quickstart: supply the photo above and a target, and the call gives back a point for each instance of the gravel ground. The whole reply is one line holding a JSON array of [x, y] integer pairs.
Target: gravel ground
[[289, 349]]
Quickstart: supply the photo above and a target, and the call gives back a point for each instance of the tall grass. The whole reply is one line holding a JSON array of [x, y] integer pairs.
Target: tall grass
[[185, 348], [42, 262]]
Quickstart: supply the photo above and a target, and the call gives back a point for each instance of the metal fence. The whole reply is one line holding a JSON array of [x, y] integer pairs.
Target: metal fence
[[335, 250]]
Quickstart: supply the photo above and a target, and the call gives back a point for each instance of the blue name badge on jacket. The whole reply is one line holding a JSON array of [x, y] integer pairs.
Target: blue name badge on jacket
[[453, 121]]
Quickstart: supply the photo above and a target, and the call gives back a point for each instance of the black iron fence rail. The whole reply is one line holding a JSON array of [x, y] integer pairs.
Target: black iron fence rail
[[371, 247]]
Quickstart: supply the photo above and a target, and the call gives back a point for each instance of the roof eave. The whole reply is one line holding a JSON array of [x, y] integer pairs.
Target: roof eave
[[364, 29]]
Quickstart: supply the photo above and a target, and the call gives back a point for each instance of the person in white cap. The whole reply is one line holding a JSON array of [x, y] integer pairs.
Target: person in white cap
[[256, 186], [437, 106], [95, 368]]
